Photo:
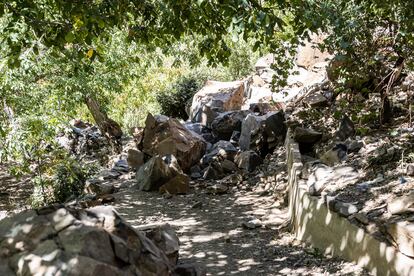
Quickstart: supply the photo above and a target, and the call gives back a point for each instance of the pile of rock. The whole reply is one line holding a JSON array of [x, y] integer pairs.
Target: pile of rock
[[84, 139], [220, 139], [97, 241]]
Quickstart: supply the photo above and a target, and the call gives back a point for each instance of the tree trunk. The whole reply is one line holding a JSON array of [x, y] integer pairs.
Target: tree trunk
[[109, 128]]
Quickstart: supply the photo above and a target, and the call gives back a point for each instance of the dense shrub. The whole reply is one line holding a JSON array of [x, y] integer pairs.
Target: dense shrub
[[70, 178], [174, 99]]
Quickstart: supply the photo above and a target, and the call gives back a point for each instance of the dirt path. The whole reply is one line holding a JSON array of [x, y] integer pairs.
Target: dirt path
[[211, 233]]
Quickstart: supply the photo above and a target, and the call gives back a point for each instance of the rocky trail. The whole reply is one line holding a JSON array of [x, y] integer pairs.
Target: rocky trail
[[206, 196], [235, 233]]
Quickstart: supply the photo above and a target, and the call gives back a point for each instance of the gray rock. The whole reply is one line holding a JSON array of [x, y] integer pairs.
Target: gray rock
[[166, 239], [99, 187], [156, 172], [217, 189], [345, 209], [335, 155], [248, 160], [322, 176], [316, 100], [94, 241], [252, 224], [213, 98], [87, 241]]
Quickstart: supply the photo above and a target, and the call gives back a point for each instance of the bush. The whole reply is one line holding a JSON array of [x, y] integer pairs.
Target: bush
[[59, 178], [174, 99], [70, 178]]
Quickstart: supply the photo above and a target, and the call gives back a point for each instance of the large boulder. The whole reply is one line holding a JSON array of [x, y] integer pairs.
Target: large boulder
[[227, 122], [156, 172], [216, 97], [163, 136], [263, 133], [66, 241]]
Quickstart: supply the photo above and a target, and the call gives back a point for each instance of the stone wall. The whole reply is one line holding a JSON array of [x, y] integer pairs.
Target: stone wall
[[313, 223]]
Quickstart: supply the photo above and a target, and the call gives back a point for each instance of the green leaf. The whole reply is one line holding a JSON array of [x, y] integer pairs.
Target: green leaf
[[69, 37]]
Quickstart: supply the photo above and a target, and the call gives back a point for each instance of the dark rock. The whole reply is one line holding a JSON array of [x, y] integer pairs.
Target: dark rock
[[222, 149], [263, 108], [197, 128], [354, 145], [195, 172], [188, 270], [213, 171], [224, 125], [306, 135], [196, 205], [248, 160], [228, 166], [263, 133], [235, 137], [180, 184], [346, 129], [135, 158]]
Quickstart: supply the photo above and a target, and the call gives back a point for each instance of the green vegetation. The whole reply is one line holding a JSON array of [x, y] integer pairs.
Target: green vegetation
[[98, 60]]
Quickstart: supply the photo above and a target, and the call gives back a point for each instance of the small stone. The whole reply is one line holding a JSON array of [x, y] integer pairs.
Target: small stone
[[252, 224], [217, 189], [410, 170], [197, 205], [345, 209]]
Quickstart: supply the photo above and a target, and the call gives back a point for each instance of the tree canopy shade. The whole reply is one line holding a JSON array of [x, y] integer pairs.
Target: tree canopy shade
[[26, 25]]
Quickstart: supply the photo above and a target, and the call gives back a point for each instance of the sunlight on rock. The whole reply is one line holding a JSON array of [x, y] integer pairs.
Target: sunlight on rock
[[200, 255], [344, 242], [328, 218], [246, 245], [364, 260], [219, 263], [360, 235]]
